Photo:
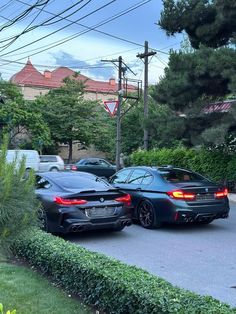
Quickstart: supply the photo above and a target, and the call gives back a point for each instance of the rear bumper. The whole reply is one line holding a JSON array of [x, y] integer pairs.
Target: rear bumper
[[75, 225], [183, 216]]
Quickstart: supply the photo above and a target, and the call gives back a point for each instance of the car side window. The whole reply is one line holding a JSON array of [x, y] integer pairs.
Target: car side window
[[92, 163], [48, 158], [137, 176], [103, 163], [42, 183], [121, 176], [147, 179]]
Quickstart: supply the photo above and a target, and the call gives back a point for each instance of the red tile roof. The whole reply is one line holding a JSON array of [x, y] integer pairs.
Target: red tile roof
[[223, 106], [30, 76]]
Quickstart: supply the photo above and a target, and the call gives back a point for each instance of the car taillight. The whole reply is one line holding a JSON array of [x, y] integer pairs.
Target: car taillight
[[73, 167], [181, 195], [67, 201], [221, 194], [124, 199]]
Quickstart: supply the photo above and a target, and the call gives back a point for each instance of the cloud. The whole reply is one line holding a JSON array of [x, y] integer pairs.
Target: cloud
[[96, 70]]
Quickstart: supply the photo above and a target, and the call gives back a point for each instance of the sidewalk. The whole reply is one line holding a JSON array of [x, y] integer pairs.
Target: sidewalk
[[232, 197]]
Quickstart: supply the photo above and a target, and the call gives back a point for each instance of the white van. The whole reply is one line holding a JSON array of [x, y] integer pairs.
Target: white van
[[31, 157]]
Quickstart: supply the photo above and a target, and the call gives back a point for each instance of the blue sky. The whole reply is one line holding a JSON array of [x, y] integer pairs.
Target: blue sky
[[132, 21]]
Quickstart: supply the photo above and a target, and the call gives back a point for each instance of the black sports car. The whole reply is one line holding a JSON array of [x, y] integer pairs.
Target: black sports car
[[77, 201], [170, 194]]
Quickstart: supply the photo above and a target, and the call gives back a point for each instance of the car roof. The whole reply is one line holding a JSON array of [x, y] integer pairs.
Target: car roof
[[156, 168], [65, 174]]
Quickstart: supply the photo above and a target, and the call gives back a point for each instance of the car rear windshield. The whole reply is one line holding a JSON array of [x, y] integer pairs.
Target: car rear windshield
[[82, 183], [179, 175]]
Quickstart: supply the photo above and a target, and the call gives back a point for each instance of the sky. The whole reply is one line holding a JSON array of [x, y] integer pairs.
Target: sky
[[79, 34]]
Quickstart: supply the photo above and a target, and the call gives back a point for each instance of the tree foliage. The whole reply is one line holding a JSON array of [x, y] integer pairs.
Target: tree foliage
[[19, 117], [208, 22], [18, 204], [196, 76], [164, 127], [191, 81], [68, 115]]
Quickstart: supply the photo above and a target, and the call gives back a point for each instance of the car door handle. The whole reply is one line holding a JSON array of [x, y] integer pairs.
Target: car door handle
[[138, 189]]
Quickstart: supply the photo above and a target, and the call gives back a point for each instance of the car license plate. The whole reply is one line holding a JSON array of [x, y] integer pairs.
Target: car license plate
[[202, 197], [101, 211]]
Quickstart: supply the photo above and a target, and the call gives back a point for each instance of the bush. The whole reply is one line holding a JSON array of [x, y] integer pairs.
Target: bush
[[18, 205], [8, 312], [109, 284], [215, 165]]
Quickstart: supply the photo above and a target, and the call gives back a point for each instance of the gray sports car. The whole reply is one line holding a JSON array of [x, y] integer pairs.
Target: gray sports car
[[171, 194], [78, 201]]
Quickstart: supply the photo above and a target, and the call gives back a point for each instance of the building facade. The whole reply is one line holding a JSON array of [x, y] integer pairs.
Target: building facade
[[33, 83]]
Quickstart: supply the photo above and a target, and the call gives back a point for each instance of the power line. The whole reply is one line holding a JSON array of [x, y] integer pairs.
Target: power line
[[23, 14], [56, 31], [16, 37], [93, 28], [47, 20]]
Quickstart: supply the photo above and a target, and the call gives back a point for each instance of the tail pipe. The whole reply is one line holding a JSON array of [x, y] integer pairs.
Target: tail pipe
[[77, 228]]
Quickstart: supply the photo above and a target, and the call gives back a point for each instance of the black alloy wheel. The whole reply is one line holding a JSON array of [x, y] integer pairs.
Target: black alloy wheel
[[147, 215], [43, 219]]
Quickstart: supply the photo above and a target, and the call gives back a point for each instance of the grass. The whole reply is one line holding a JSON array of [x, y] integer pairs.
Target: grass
[[28, 292]]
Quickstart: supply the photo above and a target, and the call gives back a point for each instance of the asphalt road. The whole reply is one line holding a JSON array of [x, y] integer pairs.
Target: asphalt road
[[199, 258]]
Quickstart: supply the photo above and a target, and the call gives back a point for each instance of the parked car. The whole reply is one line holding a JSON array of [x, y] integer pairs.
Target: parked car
[[78, 201], [51, 163], [98, 166], [31, 158], [173, 195]]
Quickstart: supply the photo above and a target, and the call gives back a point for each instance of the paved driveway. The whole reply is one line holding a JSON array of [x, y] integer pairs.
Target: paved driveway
[[198, 258]]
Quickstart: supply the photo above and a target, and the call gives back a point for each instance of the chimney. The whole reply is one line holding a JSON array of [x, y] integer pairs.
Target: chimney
[[47, 74], [112, 81]]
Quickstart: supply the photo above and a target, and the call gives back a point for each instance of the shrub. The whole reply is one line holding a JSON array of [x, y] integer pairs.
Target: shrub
[[18, 205], [215, 165], [8, 312], [109, 284]]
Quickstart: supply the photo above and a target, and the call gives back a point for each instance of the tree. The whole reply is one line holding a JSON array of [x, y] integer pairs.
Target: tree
[[21, 119], [165, 128], [193, 80], [195, 77], [208, 22], [18, 203], [68, 115]]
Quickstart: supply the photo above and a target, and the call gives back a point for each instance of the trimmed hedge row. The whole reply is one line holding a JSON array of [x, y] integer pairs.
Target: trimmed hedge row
[[107, 283], [215, 165]]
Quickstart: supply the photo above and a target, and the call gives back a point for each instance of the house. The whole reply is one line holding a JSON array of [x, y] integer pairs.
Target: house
[[34, 83]]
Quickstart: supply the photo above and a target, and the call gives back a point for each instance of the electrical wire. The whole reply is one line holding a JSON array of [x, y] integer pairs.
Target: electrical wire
[[92, 28], [45, 23], [23, 14], [56, 31], [16, 37]]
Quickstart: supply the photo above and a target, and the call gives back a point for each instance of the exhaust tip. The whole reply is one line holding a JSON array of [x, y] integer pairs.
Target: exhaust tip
[[127, 223], [77, 228]]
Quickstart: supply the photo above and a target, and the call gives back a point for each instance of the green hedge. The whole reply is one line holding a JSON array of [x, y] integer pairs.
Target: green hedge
[[107, 283], [215, 165]]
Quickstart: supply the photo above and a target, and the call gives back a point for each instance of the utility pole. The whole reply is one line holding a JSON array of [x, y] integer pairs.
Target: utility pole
[[145, 56], [118, 115], [118, 112]]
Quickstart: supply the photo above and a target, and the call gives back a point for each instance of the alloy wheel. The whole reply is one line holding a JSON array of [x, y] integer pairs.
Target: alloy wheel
[[147, 215]]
